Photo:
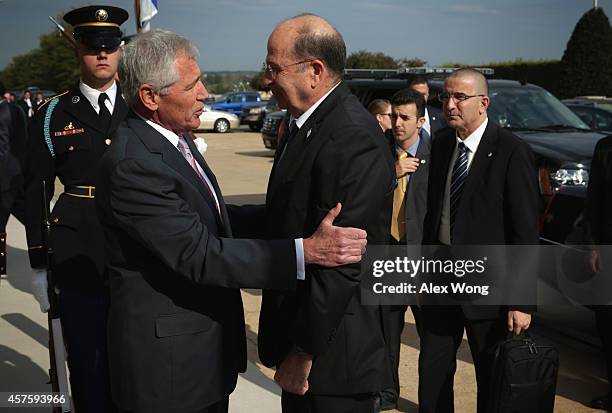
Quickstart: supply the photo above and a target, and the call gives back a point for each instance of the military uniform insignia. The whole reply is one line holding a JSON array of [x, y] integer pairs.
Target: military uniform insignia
[[69, 130], [75, 99], [101, 15]]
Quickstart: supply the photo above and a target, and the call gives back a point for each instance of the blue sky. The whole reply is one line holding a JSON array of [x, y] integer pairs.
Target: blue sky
[[232, 34]]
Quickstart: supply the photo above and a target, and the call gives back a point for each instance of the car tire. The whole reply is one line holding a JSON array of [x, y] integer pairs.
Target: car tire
[[255, 127], [222, 126]]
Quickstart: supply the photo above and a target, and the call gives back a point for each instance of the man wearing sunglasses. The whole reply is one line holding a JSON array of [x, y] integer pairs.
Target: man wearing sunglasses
[[70, 132], [482, 191]]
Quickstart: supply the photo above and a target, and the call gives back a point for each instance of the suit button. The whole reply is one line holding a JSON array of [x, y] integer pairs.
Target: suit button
[[71, 148], [107, 142]]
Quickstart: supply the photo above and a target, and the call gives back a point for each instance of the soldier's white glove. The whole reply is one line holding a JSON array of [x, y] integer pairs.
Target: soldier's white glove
[[40, 287]]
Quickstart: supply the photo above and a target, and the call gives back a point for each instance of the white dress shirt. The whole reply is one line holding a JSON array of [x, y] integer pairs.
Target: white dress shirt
[[92, 95]]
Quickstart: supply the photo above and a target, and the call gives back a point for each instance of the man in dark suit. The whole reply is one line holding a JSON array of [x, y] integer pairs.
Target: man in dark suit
[[328, 349], [13, 137], [176, 324], [409, 208], [68, 136], [482, 191], [599, 224], [27, 103], [434, 118]]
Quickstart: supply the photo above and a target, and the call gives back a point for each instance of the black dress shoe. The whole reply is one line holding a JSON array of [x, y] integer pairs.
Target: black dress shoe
[[601, 403]]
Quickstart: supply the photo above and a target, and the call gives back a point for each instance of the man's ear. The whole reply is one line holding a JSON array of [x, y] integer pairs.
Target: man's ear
[[148, 96], [484, 104], [318, 72]]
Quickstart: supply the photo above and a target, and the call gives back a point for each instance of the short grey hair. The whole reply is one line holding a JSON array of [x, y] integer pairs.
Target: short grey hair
[[150, 58]]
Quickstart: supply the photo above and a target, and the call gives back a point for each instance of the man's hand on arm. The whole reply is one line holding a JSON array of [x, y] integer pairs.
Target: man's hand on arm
[[292, 374], [518, 321], [332, 246]]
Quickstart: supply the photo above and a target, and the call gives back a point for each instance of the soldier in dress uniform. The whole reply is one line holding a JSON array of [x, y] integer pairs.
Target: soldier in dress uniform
[[70, 132]]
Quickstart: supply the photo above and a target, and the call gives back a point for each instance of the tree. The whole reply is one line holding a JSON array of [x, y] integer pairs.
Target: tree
[[363, 59], [412, 62], [256, 82], [52, 66], [587, 61]]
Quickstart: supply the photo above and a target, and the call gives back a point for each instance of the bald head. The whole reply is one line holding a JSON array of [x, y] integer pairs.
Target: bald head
[[474, 77], [314, 38]]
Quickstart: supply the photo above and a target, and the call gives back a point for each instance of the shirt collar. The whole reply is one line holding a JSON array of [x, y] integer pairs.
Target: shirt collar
[[412, 149], [304, 117], [172, 137], [473, 140], [92, 94]]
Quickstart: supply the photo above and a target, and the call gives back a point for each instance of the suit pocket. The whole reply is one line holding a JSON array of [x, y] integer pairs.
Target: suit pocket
[[180, 324]]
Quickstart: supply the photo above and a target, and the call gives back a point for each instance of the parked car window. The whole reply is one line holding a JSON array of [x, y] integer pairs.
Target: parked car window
[[236, 99], [603, 120], [586, 114], [531, 108], [251, 98]]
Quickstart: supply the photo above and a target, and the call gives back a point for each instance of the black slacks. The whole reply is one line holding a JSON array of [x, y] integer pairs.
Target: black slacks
[[83, 316], [441, 334], [309, 403], [394, 342]]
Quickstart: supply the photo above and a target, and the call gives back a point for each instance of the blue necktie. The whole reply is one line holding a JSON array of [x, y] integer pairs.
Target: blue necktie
[[460, 170]]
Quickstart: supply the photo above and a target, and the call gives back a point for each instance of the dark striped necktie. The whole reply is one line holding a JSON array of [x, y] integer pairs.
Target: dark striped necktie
[[460, 171]]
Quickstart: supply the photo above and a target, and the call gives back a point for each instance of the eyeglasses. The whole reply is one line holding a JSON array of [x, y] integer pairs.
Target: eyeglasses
[[405, 118], [273, 72], [456, 96]]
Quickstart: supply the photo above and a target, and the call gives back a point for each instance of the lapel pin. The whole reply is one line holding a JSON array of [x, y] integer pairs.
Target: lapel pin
[[75, 99], [423, 161], [308, 133], [490, 154]]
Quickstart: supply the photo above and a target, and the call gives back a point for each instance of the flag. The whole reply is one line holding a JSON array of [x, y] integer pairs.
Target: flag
[[147, 9]]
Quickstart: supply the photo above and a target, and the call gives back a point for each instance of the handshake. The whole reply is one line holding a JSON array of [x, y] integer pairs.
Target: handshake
[[329, 246]]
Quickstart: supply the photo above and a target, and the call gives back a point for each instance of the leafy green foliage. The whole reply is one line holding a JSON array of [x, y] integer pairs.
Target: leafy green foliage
[[363, 59], [52, 65], [587, 61]]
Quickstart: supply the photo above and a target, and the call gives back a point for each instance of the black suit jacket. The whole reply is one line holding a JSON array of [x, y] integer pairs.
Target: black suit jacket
[[339, 155], [599, 195], [13, 138], [416, 196], [499, 202], [437, 120], [176, 327]]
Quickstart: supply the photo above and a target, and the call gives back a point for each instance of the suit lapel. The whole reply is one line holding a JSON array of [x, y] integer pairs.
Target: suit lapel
[[224, 218], [157, 143], [286, 168], [481, 162]]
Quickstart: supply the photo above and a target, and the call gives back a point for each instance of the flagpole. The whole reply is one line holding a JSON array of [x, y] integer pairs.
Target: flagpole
[[137, 14]]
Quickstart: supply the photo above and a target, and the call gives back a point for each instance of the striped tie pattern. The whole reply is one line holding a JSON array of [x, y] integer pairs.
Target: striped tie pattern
[[460, 170]]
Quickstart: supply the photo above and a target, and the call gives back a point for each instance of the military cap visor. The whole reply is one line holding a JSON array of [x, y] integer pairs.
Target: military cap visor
[[96, 39]]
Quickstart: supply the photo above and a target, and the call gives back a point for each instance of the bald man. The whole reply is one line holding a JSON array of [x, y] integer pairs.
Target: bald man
[[328, 349], [482, 191]]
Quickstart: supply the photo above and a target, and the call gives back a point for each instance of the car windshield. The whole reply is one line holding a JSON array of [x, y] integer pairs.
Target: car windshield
[[530, 108]]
